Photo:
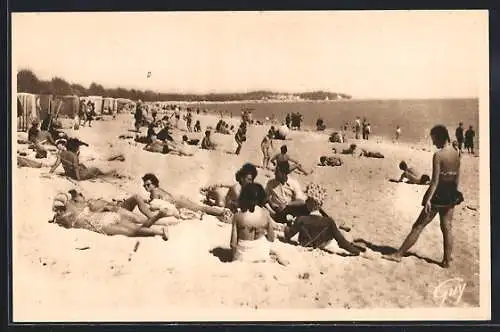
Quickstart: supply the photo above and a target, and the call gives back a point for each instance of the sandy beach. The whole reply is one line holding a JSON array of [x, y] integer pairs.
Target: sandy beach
[[82, 275]]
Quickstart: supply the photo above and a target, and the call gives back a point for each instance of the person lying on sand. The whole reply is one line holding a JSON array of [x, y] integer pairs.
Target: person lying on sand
[[315, 229], [101, 205], [69, 159], [160, 199], [284, 157], [72, 214], [441, 197], [165, 147], [188, 141], [358, 152], [252, 227], [27, 162], [411, 175], [207, 143], [284, 194], [330, 161]]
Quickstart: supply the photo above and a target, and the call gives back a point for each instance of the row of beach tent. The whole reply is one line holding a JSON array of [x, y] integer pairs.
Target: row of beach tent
[[36, 107]]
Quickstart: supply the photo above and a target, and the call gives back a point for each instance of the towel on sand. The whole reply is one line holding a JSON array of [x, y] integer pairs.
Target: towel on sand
[[253, 250], [160, 204]]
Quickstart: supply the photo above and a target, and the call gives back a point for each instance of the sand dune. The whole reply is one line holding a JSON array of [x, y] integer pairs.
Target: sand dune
[[91, 274]]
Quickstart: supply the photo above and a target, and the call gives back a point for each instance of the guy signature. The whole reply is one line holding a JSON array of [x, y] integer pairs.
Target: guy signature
[[450, 291]]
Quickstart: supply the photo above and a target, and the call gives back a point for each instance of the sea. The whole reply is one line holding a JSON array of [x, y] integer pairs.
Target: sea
[[415, 116]]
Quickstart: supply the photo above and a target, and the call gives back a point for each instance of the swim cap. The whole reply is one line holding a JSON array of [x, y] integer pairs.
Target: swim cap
[[316, 192], [60, 200]]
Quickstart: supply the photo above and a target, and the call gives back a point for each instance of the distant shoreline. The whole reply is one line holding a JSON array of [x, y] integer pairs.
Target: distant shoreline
[[277, 101]]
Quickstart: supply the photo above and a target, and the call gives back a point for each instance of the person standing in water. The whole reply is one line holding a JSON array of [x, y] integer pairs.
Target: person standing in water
[[398, 133], [441, 196]]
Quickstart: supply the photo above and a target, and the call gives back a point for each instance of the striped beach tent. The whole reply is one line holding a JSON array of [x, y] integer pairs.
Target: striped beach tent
[[110, 105], [27, 110], [98, 103]]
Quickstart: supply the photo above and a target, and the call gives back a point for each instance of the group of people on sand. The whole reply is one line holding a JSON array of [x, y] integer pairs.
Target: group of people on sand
[[86, 113], [72, 210], [256, 212]]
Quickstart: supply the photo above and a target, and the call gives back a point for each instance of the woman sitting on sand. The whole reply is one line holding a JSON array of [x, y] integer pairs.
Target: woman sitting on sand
[[315, 228], [411, 175], [160, 199], [71, 213], [252, 230], [228, 195], [441, 196], [69, 159]]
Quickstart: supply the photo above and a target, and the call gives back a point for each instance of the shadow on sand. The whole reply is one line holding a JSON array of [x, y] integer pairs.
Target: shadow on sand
[[386, 250], [223, 254]]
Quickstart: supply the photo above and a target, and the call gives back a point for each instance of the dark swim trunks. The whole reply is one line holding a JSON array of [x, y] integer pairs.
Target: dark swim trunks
[[447, 195]]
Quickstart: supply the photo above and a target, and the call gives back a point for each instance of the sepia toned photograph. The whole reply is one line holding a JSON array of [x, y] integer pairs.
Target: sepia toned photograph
[[250, 166]]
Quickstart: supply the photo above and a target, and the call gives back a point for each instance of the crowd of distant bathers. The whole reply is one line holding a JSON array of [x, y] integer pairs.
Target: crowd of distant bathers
[[255, 212]]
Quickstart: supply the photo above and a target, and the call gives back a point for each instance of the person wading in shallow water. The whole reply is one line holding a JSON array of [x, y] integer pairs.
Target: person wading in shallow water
[[441, 196]]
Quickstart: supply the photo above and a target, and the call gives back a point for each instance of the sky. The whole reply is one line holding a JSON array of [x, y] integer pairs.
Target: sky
[[366, 54]]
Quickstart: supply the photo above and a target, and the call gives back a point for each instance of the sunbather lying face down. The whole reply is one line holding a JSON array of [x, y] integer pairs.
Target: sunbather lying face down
[[411, 175]]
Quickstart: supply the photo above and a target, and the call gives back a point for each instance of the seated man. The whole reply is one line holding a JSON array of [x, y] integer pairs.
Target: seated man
[[412, 176], [285, 197], [161, 200], [315, 228]]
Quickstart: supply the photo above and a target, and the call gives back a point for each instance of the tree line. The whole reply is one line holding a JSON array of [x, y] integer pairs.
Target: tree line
[[28, 82]]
